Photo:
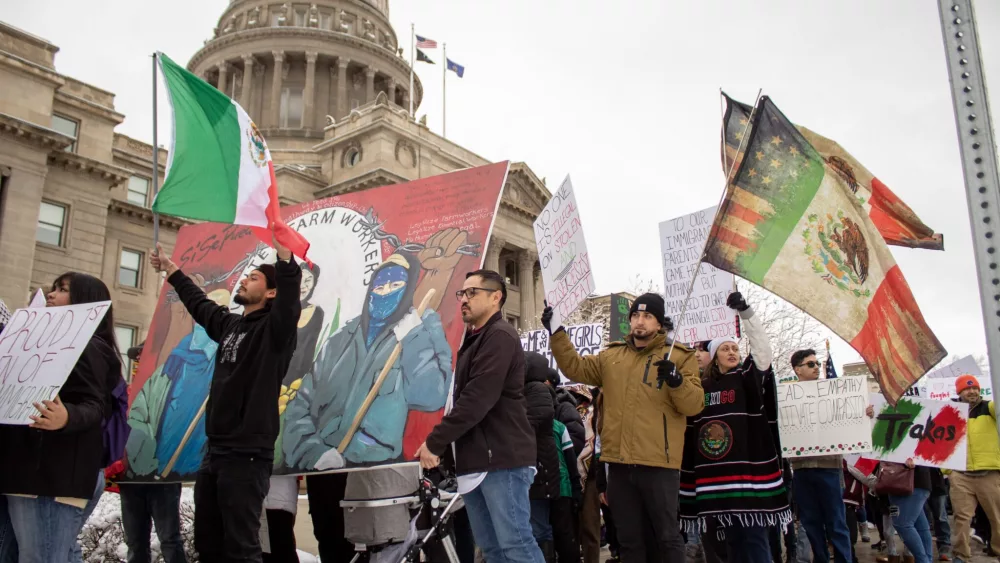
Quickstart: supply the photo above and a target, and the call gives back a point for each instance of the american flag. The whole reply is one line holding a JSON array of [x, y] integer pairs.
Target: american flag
[[425, 43]]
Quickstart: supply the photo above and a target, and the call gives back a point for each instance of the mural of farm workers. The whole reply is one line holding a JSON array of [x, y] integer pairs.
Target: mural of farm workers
[[321, 413]]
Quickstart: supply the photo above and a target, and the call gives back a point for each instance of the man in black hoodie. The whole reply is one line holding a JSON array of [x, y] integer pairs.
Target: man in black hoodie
[[241, 413]]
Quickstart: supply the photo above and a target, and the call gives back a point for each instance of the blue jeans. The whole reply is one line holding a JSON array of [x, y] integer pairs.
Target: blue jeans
[[911, 524], [76, 552], [8, 543], [500, 515], [541, 526], [938, 507], [748, 545], [820, 501], [46, 530], [159, 504]]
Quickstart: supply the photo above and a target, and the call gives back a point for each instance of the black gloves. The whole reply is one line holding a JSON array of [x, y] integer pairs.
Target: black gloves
[[547, 318], [736, 301], [666, 372]]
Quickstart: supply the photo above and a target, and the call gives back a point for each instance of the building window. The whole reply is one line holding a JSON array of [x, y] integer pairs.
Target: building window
[[125, 335], [66, 126], [353, 157], [511, 272], [51, 223], [291, 107], [138, 190], [129, 268]]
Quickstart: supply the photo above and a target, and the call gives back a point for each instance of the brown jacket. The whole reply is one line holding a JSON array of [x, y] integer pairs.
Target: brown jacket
[[642, 424]]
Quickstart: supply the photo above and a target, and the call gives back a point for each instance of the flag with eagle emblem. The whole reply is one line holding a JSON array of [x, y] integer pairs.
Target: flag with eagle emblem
[[895, 221], [790, 223]]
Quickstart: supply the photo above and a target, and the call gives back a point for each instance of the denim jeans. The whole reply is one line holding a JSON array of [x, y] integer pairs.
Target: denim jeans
[[541, 525], [747, 545], [820, 501], [8, 543], [157, 504], [76, 552], [46, 530], [911, 524], [500, 515], [938, 508]]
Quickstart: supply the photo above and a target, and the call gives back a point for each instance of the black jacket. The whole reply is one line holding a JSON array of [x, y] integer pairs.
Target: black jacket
[[541, 410], [65, 463], [253, 356], [567, 414], [489, 421]]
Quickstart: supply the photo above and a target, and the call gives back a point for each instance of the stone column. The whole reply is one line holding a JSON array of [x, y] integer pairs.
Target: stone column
[[223, 74], [276, 80], [248, 66], [342, 102], [309, 93], [493, 254], [370, 85], [391, 90], [526, 271]]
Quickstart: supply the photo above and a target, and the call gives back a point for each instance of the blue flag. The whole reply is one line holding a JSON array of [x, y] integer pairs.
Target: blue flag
[[831, 371], [456, 68]]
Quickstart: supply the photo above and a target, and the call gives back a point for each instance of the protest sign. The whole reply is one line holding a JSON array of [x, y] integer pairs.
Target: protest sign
[[823, 417], [933, 433], [588, 339], [682, 241], [960, 367], [38, 349], [38, 300], [378, 255], [562, 254], [619, 325]]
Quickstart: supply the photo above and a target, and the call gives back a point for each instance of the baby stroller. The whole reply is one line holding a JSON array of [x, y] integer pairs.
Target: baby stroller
[[393, 514]]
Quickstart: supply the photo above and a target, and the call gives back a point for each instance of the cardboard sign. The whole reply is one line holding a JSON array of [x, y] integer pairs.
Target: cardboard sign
[[823, 417], [933, 433], [682, 241], [376, 254], [38, 349], [588, 339], [562, 254]]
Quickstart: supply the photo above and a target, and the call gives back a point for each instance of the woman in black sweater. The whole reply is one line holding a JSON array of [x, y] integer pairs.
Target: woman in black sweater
[[53, 467]]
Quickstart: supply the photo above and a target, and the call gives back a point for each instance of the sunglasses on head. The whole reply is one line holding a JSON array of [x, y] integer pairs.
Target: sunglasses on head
[[809, 364]]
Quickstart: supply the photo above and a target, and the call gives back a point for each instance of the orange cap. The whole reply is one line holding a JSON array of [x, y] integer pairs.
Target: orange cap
[[965, 382]]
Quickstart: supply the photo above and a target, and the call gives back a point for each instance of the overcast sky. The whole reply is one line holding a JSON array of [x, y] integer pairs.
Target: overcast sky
[[624, 96]]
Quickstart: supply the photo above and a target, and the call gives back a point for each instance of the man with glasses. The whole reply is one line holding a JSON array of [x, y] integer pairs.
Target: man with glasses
[[819, 487], [494, 444]]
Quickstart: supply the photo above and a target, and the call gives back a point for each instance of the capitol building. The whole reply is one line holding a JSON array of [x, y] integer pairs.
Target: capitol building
[[328, 86]]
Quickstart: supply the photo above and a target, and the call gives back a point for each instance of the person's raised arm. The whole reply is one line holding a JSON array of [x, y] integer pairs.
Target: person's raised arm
[[577, 368], [215, 318], [760, 344], [286, 308]]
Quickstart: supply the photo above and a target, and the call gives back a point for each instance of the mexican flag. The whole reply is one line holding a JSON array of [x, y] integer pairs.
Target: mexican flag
[[895, 221], [792, 224], [218, 167]]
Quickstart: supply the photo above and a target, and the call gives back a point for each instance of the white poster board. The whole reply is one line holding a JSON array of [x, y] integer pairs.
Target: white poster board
[[961, 366], [824, 417], [587, 338], [38, 349], [682, 240], [562, 254], [932, 433]]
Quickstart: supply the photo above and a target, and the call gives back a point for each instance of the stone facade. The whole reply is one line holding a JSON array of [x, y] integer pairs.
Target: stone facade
[[331, 89]]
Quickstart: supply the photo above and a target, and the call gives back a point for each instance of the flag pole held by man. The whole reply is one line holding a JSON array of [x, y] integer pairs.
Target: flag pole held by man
[[219, 168], [791, 223]]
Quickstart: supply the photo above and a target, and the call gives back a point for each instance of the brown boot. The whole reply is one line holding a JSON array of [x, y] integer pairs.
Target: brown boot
[[909, 559]]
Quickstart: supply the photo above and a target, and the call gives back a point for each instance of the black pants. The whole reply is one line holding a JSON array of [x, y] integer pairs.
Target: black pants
[[228, 499], [325, 493], [775, 538], [715, 548], [281, 535], [981, 524], [875, 515], [563, 517], [610, 532], [641, 497], [851, 512]]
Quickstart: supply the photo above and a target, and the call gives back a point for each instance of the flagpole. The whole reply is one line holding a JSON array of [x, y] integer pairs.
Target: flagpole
[[729, 178], [444, 87], [156, 162], [413, 48]]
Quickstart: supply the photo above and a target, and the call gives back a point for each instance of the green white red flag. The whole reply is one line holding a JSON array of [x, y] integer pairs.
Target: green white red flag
[[218, 167], [792, 224]]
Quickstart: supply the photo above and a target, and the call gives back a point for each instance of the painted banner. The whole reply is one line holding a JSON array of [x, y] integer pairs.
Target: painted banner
[[38, 349], [682, 240], [619, 325], [562, 254], [588, 339], [933, 433], [823, 417], [376, 255]]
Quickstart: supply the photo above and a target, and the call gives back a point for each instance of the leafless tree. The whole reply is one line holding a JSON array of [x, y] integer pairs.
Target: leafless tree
[[788, 327]]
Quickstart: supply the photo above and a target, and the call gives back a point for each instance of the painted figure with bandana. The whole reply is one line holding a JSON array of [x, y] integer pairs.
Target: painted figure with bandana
[[320, 415]]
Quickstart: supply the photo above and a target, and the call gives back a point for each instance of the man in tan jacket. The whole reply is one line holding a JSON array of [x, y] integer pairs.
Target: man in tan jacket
[[647, 399]]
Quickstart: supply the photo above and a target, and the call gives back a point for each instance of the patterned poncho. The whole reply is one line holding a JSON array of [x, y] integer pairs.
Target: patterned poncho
[[731, 471]]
